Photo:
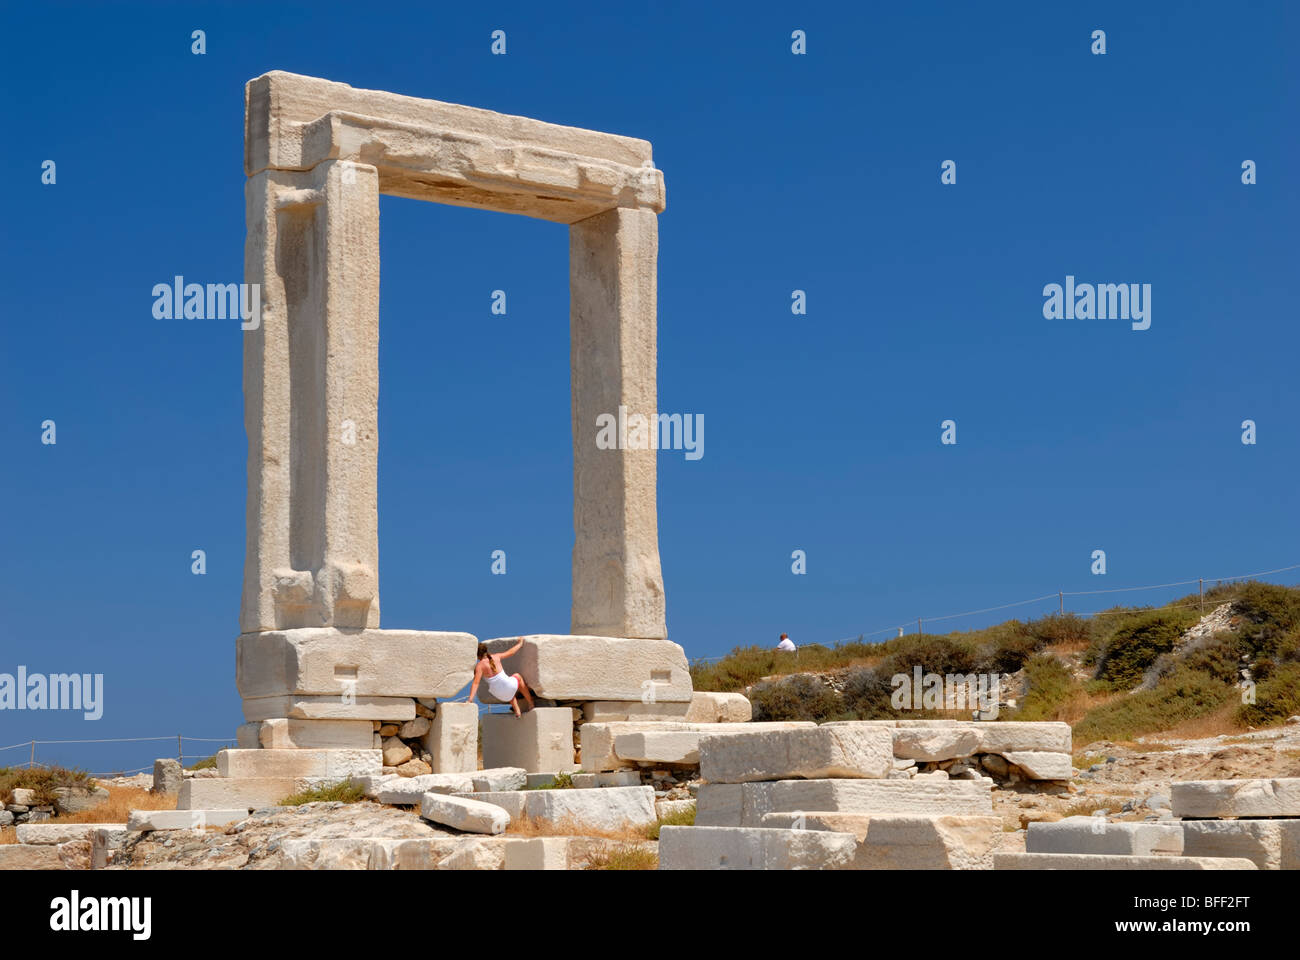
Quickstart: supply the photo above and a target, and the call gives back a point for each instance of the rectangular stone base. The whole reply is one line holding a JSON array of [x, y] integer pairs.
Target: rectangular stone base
[[600, 808], [540, 741], [905, 842], [730, 848], [452, 740], [586, 668], [670, 740], [336, 707], [293, 734], [1096, 835], [183, 819], [325, 661], [745, 804], [218, 793], [317, 764], [1236, 798], [1269, 844], [817, 753]]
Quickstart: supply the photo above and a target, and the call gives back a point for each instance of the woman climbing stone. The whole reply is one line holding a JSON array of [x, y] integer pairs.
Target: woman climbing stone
[[503, 687]]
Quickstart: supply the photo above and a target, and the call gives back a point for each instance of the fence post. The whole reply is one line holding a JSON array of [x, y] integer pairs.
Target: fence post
[[180, 751], [1202, 589], [918, 625], [1060, 595], [32, 762]]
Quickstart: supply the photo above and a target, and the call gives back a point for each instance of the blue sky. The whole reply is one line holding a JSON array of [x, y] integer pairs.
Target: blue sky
[[818, 172]]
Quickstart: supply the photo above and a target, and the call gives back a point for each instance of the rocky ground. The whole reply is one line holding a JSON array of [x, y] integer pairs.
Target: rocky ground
[[255, 843], [1131, 782]]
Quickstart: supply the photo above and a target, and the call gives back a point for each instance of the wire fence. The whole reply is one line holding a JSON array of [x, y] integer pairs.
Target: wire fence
[[180, 740], [1059, 596]]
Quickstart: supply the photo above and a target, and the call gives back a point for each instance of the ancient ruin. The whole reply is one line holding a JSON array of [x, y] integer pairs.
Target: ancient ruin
[[317, 155]]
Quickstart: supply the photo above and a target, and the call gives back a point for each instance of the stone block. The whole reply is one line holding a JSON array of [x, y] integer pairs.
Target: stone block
[[167, 776], [1088, 861], [328, 708], [600, 808], [284, 733], [219, 793], [587, 668], [754, 848], [1201, 799], [936, 743], [513, 802], [815, 753], [677, 747], [183, 819], [708, 707], [324, 661], [1269, 844], [1037, 765], [604, 808], [618, 711], [720, 805], [745, 804], [599, 753], [452, 738], [1017, 736], [105, 843], [54, 833], [316, 764], [501, 778], [1097, 835], [70, 800], [462, 813], [30, 856], [906, 842], [541, 740]]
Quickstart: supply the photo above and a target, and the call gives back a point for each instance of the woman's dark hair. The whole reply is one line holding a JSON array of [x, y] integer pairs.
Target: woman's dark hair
[[483, 652]]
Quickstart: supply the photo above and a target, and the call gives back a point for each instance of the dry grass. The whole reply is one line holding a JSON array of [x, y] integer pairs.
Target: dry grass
[[1079, 702], [121, 801], [626, 856], [1086, 807], [536, 827], [116, 809], [1214, 724], [1067, 647]]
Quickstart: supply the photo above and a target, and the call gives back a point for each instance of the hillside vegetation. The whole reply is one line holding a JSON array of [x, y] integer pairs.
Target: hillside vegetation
[[1116, 675]]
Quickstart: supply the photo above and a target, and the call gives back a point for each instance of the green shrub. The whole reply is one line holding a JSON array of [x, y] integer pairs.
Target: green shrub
[[1049, 683], [561, 781], [933, 653], [866, 694], [207, 763], [1276, 698], [43, 780], [680, 818], [1136, 643], [1220, 658], [797, 697], [345, 791], [1184, 695]]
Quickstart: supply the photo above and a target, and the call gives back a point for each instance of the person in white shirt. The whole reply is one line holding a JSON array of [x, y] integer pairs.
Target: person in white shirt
[[786, 644]]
